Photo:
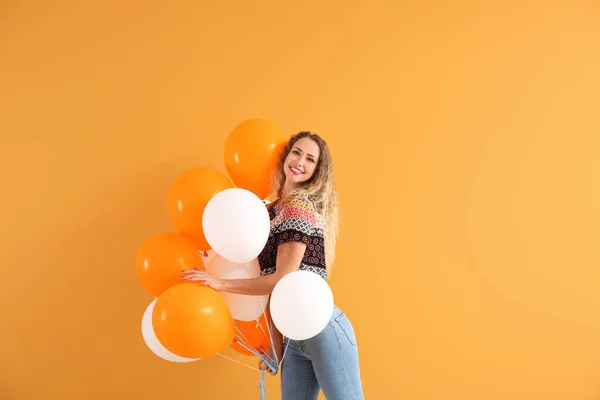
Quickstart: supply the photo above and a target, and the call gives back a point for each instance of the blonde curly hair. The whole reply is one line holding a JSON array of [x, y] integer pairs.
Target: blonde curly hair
[[320, 189]]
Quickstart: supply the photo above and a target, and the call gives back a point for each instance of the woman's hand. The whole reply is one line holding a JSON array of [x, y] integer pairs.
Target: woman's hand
[[203, 277], [263, 366]]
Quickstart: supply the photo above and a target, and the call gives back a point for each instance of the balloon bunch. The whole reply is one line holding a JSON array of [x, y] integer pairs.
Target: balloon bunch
[[226, 219]]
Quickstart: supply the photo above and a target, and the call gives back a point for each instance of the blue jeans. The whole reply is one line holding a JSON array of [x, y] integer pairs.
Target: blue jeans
[[328, 361]]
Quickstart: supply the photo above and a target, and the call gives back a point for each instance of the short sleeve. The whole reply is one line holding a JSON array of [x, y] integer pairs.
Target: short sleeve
[[298, 219]]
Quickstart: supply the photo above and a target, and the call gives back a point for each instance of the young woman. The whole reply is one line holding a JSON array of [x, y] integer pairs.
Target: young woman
[[304, 227]]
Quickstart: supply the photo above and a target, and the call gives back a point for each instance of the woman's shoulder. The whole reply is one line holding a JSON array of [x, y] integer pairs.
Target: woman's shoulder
[[300, 208]]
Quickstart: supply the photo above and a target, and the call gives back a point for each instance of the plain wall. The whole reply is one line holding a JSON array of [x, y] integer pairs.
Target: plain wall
[[466, 144]]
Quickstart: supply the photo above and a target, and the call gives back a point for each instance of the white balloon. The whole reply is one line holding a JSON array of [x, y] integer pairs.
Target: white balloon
[[152, 341], [236, 224], [301, 305], [243, 307]]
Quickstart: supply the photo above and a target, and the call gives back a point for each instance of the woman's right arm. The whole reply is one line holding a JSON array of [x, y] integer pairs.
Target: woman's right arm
[[278, 345]]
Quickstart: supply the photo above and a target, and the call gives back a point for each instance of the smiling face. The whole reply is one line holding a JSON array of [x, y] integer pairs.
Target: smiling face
[[302, 160]]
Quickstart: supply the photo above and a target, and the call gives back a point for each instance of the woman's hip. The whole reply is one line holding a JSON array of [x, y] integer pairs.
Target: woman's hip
[[338, 332]]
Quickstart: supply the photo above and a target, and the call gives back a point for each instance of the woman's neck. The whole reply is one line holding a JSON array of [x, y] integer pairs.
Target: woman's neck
[[288, 186]]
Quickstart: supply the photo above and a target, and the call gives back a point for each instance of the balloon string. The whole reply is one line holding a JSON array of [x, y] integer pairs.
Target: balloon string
[[263, 357], [273, 364], [287, 342], [236, 361], [241, 332], [271, 341], [243, 341], [261, 386]]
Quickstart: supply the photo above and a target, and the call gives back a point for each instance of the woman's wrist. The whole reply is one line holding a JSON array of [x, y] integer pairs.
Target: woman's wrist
[[224, 285]]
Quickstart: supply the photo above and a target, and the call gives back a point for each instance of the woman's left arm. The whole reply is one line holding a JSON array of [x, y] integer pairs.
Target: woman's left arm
[[289, 257]]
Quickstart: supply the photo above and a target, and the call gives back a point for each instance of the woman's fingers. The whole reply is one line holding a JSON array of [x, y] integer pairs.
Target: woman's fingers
[[194, 275]]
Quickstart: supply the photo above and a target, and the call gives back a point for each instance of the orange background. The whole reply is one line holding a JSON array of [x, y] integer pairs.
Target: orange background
[[466, 146]]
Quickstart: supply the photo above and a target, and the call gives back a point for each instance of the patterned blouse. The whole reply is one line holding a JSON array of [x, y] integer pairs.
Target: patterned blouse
[[297, 221]]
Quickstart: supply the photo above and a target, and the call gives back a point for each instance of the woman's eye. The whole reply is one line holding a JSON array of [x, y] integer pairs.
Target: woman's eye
[[311, 160], [296, 152]]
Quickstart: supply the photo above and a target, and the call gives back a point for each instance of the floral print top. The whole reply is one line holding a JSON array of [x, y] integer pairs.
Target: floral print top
[[297, 221]]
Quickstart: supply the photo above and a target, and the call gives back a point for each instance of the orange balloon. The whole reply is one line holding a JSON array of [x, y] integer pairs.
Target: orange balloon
[[251, 152], [161, 259], [253, 334], [192, 320], [187, 199]]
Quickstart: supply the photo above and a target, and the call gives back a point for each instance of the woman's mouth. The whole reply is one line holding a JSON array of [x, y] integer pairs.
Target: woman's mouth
[[296, 171]]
